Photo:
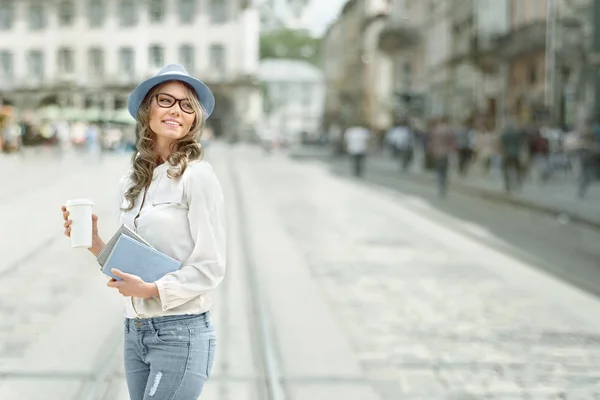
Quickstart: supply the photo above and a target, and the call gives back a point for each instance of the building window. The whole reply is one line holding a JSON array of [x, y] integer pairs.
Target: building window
[[6, 65], [156, 56], [120, 103], [37, 19], [7, 14], [156, 10], [96, 13], [217, 57], [66, 13], [36, 64], [127, 61], [218, 11], [187, 11], [306, 89], [127, 15], [66, 61], [518, 12], [532, 74], [96, 62], [186, 57]]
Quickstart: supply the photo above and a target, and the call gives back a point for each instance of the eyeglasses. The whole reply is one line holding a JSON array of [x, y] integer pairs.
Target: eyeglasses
[[167, 101]]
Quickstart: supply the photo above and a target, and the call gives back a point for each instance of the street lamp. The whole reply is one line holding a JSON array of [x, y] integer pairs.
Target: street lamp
[[550, 57]]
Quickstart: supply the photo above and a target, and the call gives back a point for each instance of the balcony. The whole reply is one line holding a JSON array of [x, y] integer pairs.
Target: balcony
[[65, 79], [484, 57], [397, 36], [464, 49], [29, 84], [527, 38]]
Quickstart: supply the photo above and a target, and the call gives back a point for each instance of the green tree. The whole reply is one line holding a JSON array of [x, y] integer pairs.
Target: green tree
[[290, 43]]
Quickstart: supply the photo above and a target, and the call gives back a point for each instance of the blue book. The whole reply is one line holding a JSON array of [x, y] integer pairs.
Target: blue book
[[133, 257], [108, 248]]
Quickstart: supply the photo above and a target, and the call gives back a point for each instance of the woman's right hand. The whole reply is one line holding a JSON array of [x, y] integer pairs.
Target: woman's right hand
[[97, 243], [68, 222]]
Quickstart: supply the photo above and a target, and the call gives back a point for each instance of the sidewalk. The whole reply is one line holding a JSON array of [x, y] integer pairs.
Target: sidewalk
[[555, 197], [432, 312]]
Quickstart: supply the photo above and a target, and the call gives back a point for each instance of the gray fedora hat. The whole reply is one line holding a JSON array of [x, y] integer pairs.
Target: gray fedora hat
[[172, 72]]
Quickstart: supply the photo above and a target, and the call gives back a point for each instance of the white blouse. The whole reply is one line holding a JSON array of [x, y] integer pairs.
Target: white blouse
[[183, 218]]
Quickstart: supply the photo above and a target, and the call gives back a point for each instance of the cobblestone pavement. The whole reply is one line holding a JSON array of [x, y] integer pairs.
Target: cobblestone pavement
[[42, 279], [432, 314], [566, 249]]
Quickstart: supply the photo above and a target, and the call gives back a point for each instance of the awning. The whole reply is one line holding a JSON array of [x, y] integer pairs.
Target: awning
[[51, 112], [122, 117]]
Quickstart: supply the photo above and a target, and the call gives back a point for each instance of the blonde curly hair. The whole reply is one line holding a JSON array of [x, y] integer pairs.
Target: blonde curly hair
[[183, 150]]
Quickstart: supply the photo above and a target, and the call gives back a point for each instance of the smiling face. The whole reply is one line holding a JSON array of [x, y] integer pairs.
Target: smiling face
[[168, 119]]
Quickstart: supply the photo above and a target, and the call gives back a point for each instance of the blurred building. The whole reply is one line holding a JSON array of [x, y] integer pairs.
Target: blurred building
[[378, 69], [289, 14], [464, 58], [403, 39], [357, 73], [293, 98], [544, 50], [441, 55], [88, 55]]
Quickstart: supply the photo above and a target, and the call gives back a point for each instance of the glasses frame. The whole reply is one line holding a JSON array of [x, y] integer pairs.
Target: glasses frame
[[176, 101]]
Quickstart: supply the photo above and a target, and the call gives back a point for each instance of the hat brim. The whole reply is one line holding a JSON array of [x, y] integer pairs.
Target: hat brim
[[205, 95]]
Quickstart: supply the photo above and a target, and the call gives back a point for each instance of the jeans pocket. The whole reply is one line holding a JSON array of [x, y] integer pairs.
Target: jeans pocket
[[173, 337], [212, 344]]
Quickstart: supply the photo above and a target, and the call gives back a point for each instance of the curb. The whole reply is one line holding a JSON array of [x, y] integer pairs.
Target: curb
[[504, 198], [480, 192]]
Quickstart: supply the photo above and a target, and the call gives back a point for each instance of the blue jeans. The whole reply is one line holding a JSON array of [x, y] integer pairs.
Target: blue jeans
[[168, 358]]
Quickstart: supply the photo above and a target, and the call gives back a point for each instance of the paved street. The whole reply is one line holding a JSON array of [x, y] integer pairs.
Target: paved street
[[371, 290], [567, 249]]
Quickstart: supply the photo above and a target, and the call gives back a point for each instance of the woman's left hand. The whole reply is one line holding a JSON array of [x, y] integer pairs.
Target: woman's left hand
[[132, 285]]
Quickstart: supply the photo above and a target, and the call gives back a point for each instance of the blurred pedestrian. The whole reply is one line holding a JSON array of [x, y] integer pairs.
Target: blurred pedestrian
[[512, 142], [486, 148], [173, 200], [465, 140], [442, 144], [94, 141], [63, 135], [11, 133], [78, 136], [357, 143], [539, 149], [586, 148], [401, 139]]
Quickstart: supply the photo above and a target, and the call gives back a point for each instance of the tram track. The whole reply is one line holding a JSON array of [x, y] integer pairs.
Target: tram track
[[272, 385]]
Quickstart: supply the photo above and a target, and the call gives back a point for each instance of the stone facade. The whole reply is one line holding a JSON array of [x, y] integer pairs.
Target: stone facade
[[92, 54], [357, 73], [485, 59]]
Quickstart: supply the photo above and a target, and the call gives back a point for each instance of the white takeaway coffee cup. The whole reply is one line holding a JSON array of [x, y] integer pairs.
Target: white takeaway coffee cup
[[80, 212]]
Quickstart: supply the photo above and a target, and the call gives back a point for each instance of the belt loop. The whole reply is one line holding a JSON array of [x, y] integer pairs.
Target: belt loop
[[206, 319], [151, 325], [126, 325]]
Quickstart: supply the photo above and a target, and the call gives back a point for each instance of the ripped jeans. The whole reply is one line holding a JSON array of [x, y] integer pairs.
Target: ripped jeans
[[168, 358]]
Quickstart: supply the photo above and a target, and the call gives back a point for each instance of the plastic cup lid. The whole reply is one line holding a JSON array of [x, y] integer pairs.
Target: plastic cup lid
[[79, 202]]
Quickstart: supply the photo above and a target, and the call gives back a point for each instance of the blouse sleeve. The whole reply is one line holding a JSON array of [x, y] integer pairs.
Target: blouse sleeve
[[205, 268]]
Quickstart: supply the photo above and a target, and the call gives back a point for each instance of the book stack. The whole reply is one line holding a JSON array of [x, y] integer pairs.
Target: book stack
[[130, 253]]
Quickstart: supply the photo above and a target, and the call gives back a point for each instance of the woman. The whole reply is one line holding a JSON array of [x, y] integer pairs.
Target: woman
[[173, 200]]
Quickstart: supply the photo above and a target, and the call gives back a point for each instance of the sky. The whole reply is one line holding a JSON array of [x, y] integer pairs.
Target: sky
[[321, 13]]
